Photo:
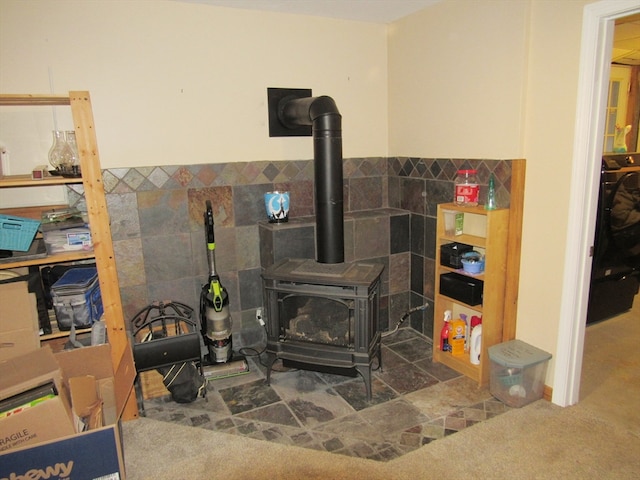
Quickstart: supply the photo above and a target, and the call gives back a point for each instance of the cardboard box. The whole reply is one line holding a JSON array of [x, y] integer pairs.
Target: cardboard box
[[96, 453], [22, 373], [19, 326]]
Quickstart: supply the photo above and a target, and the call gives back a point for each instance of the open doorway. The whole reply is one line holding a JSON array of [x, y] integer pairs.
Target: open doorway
[[595, 60], [615, 270]]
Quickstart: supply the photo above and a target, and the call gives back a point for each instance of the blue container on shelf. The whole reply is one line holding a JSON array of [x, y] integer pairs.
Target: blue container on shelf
[[472, 262], [17, 233]]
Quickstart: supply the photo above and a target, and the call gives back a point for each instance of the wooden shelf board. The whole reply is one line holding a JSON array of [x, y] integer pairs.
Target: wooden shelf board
[[14, 181], [9, 99], [466, 239], [478, 210], [444, 298], [61, 334], [445, 269], [55, 258]]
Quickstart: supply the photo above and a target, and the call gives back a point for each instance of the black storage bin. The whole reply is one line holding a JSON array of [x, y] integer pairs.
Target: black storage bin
[[451, 254], [461, 287]]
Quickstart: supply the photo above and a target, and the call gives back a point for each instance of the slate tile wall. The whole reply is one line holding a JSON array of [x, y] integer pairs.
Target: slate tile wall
[[158, 233]]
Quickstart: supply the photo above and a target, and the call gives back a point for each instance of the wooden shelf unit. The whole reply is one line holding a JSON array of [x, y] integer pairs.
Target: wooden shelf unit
[[82, 113], [485, 230]]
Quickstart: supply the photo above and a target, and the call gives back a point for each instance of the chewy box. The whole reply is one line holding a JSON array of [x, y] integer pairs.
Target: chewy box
[[77, 299], [518, 371], [37, 451]]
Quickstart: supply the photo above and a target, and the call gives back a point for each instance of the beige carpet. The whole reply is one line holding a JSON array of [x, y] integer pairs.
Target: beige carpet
[[597, 439]]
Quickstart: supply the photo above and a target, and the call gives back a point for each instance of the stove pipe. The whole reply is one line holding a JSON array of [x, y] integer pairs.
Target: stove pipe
[[326, 124]]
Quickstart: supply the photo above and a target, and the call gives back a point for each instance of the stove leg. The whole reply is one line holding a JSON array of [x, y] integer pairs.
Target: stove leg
[[271, 359], [365, 372]]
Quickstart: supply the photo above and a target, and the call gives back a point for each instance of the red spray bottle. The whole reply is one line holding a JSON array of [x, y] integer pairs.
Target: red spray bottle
[[444, 333]]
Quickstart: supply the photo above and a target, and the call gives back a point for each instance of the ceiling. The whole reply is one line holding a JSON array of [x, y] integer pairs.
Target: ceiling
[[626, 49], [626, 41], [372, 11]]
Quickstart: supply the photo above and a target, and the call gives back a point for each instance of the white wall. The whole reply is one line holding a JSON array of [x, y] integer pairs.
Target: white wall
[[498, 79], [457, 77], [551, 116], [178, 83]]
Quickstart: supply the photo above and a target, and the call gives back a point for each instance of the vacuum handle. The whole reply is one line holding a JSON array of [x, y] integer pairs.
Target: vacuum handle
[[208, 223]]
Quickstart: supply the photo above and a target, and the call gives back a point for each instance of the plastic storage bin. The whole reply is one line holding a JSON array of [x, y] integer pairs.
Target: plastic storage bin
[[518, 371], [451, 254], [17, 233], [77, 299]]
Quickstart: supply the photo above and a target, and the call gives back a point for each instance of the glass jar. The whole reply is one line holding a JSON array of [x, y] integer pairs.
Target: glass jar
[[467, 189], [56, 152], [70, 163]]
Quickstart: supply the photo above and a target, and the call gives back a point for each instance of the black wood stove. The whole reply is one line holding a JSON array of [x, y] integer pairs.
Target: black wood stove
[[323, 316]]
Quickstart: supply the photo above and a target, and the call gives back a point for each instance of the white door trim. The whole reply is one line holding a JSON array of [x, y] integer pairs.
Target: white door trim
[[595, 58]]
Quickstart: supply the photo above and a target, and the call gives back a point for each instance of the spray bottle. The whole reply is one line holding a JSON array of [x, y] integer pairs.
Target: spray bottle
[[491, 194], [444, 333]]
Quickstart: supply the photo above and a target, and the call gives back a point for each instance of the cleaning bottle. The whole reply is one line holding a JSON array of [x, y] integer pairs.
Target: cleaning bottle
[[475, 321], [490, 204], [444, 333], [456, 337], [475, 345], [463, 317]]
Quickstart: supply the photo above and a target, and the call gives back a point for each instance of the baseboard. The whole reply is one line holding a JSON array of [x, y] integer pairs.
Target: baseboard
[[547, 393]]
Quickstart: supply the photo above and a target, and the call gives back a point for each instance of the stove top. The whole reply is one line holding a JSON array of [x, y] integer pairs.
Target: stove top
[[311, 271]]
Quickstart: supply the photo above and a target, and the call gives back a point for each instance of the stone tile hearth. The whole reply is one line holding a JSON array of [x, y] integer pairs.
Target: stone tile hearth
[[414, 403]]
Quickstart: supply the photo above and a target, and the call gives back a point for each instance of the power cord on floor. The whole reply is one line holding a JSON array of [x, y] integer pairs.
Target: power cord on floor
[[403, 318], [252, 352]]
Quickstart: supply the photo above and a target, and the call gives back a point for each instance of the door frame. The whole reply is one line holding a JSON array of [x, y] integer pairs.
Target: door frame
[[595, 59]]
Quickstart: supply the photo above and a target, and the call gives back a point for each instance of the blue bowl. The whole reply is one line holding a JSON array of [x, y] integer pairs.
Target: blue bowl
[[472, 262]]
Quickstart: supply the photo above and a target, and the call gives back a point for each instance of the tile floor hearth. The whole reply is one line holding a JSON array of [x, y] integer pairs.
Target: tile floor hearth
[[414, 402]]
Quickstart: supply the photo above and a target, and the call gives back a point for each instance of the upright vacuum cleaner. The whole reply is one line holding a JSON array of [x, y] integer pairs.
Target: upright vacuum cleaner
[[215, 316]]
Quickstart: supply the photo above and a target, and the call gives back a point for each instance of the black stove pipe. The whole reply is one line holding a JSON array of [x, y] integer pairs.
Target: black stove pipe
[[326, 123]]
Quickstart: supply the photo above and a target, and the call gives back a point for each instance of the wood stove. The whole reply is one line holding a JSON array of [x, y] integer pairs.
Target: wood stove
[[323, 316]]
